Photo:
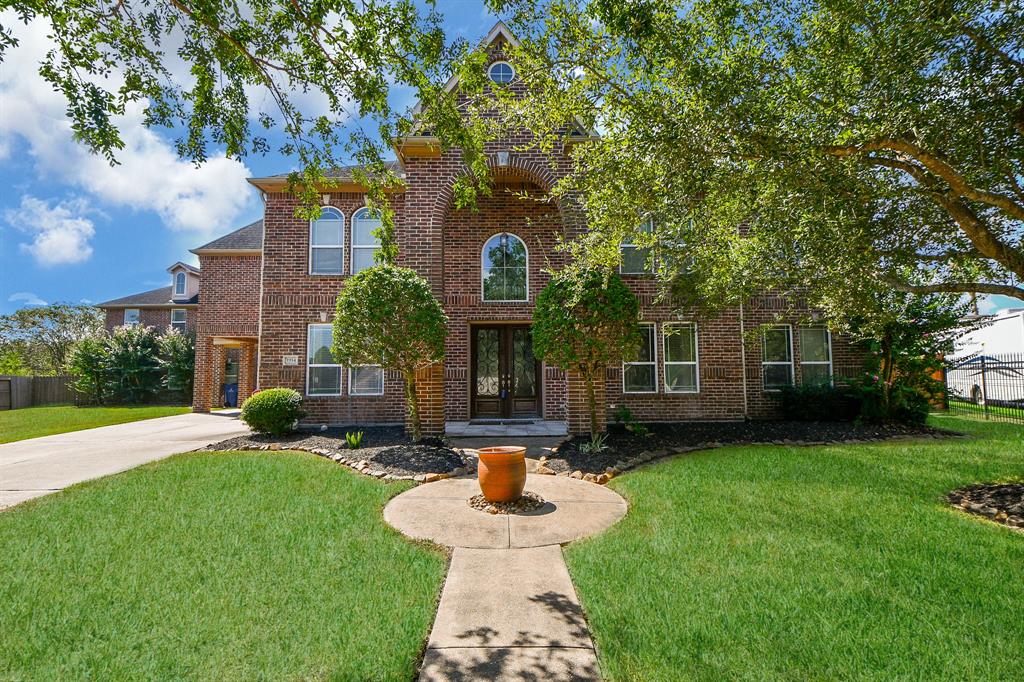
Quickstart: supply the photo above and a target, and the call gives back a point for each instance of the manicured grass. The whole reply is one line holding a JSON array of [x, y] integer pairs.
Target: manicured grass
[[33, 422], [214, 566], [836, 562], [995, 412]]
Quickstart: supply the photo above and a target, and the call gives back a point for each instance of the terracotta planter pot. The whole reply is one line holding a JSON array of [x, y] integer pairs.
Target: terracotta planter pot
[[502, 472]]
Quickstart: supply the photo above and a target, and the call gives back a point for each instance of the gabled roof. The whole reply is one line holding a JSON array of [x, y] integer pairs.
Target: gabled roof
[[184, 266], [149, 299], [343, 176], [244, 239]]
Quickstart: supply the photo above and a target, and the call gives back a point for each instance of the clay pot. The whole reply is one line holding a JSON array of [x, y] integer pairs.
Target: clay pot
[[502, 472]]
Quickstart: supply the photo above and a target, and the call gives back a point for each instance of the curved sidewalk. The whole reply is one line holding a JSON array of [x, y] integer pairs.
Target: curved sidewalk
[[508, 610], [40, 466]]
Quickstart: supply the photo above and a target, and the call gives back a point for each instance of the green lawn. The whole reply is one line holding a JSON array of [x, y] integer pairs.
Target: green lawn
[[32, 422], [810, 563], [995, 412], [214, 566]]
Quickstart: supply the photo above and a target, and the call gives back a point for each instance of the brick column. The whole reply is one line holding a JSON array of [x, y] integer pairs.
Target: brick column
[[201, 395], [245, 373], [577, 410], [430, 391]]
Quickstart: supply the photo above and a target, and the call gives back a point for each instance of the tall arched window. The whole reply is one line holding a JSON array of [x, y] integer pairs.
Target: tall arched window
[[327, 242], [503, 268], [365, 243], [179, 284]]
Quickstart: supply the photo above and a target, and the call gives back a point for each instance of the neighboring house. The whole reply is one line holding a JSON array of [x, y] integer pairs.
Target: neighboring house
[[998, 334], [172, 306], [987, 363], [268, 292]]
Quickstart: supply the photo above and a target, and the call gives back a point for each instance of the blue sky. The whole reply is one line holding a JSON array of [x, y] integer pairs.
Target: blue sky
[[74, 229]]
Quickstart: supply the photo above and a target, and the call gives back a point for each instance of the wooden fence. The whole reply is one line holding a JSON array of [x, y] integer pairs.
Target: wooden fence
[[18, 392]]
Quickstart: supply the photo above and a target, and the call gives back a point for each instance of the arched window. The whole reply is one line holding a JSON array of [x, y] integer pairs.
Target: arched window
[[501, 73], [327, 242], [503, 268], [365, 243], [179, 284]]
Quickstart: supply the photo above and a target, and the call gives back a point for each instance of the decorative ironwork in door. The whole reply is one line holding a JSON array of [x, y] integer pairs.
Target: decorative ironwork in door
[[504, 375]]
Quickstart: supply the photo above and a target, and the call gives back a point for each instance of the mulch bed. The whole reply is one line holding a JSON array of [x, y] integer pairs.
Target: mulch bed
[[999, 502], [625, 449], [385, 452]]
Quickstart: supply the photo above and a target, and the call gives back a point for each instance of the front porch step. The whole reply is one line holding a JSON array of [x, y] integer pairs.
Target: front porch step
[[505, 427]]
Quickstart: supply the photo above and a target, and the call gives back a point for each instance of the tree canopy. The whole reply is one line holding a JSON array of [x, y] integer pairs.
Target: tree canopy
[[831, 147], [39, 339]]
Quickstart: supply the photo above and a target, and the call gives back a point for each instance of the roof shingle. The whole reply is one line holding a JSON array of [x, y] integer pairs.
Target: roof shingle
[[248, 238], [161, 296]]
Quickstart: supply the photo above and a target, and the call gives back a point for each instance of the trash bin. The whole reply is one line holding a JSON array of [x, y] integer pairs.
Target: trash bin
[[231, 395]]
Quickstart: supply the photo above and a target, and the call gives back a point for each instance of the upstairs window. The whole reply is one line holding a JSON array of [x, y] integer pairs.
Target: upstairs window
[[641, 375], [327, 243], [503, 268], [815, 357], [777, 358], [179, 319], [365, 242], [636, 260], [680, 353], [323, 374], [179, 284], [501, 73], [131, 316]]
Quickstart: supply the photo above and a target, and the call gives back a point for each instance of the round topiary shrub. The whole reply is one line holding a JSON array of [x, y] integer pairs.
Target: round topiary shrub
[[274, 411]]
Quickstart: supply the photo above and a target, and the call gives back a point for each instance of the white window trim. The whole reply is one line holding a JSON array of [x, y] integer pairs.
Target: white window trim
[[491, 66], [341, 374], [184, 323], [481, 269], [653, 362], [352, 239], [623, 246], [696, 356], [792, 369], [828, 341], [184, 283], [351, 382], [340, 247], [138, 317]]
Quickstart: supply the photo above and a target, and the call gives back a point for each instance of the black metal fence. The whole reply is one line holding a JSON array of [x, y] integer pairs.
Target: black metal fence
[[986, 385]]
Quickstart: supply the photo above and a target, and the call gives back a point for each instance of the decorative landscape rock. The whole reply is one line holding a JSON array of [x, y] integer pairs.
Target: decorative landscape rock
[[528, 502], [999, 502]]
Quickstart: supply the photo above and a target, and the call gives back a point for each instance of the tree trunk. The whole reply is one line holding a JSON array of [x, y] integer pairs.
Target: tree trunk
[[412, 403]]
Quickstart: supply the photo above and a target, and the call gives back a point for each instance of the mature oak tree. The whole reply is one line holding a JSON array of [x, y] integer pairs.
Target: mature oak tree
[[831, 146]]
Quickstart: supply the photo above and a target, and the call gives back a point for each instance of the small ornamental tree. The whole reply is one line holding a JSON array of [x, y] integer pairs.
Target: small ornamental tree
[[586, 320], [133, 363], [178, 359], [387, 316]]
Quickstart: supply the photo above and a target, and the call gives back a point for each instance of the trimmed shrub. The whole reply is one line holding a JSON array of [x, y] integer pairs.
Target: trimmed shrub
[[178, 359], [274, 411], [133, 361], [820, 403]]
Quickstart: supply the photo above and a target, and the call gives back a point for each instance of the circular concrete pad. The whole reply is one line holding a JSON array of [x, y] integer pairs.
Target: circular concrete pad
[[440, 512]]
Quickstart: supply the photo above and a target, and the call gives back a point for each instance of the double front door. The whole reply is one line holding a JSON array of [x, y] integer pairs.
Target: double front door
[[504, 376]]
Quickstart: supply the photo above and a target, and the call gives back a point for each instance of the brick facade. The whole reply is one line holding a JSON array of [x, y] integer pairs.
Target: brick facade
[[158, 318]]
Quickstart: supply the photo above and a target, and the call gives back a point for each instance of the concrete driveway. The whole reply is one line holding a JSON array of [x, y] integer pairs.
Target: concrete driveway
[[40, 466]]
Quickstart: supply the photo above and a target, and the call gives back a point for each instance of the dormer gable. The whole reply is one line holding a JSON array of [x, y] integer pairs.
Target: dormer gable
[[184, 281]]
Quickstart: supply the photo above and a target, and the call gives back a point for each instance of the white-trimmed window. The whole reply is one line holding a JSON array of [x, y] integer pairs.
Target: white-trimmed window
[[323, 374], [366, 380], [327, 243], [636, 260], [179, 319], [501, 73], [179, 284], [777, 358], [815, 356], [365, 243], [131, 316], [504, 268], [680, 357], [641, 375]]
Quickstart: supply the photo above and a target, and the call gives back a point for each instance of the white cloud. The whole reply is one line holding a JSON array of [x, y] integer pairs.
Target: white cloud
[[26, 297], [60, 233], [150, 176]]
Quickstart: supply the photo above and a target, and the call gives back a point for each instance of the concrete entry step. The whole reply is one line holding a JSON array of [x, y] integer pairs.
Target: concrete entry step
[[506, 428], [509, 614]]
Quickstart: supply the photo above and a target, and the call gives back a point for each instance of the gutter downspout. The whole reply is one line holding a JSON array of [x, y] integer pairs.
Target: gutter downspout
[[743, 362]]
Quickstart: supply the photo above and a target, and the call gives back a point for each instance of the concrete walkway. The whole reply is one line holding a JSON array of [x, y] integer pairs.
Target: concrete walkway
[[39, 466], [508, 610]]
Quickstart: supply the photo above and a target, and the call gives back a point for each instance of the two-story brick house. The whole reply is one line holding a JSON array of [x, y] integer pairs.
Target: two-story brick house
[[172, 306], [271, 301]]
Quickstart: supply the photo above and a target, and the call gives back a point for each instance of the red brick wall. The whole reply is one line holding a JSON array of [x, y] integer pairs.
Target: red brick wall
[[158, 318]]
